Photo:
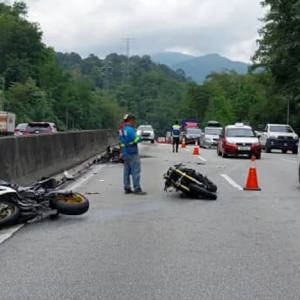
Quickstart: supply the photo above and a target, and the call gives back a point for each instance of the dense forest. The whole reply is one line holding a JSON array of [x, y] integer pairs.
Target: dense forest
[[38, 83], [270, 90]]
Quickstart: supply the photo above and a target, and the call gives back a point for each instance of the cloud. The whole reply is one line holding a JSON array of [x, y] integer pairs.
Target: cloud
[[193, 26]]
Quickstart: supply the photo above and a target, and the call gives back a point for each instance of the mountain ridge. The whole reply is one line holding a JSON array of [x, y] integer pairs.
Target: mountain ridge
[[198, 67]]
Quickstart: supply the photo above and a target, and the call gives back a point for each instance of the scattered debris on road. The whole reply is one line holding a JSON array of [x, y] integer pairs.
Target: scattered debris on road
[[92, 193], [111, 156]]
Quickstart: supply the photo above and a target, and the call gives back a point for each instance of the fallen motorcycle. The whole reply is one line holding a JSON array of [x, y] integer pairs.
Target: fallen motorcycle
[[190, 183], [41, 199]]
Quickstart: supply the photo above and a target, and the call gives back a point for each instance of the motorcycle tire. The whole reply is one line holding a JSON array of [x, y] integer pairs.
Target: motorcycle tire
[[72, 206], [11, 217], [201, 192], [203, 179]]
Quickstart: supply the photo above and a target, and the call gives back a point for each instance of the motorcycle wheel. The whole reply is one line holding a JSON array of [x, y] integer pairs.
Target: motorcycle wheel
[[210, 185], [9, 213], [73, 205], [201, 192]]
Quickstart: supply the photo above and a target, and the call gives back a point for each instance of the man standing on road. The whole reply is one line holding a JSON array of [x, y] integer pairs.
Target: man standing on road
[[175, 136], [130, 153]]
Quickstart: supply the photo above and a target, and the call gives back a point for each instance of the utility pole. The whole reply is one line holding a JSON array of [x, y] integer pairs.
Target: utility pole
[[2, 97], [127, 40], [107, 69], [67, 118], [288, 109]]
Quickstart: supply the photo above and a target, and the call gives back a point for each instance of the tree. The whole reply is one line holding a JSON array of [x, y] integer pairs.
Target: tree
[[279, 45]]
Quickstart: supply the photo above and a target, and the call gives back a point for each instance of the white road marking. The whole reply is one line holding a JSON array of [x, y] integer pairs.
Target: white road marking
[[232, 182], [7, 233], [187, 150], [288, 160], [202, 158], [92, 173]]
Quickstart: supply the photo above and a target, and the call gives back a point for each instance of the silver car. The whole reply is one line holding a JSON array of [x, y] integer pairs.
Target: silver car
[[210, 137], [147, 133]]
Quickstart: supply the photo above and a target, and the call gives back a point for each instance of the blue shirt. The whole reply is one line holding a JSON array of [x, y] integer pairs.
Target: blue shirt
[[128, 140]]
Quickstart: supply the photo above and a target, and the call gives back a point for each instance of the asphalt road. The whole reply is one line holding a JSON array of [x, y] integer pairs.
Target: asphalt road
[[245, 245]]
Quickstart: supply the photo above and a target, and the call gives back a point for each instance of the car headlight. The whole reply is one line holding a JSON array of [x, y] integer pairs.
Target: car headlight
[[207, 139], [296, 137], [273, 137], [230, 143]]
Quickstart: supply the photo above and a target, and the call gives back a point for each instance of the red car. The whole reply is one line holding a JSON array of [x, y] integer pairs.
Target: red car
[[239, 139]]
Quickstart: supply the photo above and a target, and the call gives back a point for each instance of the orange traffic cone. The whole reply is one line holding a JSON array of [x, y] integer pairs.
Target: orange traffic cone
[[183, 143], [196, 149], [252, 183]]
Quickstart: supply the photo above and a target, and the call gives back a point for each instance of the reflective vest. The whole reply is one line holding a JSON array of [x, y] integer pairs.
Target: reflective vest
[[131, 147], [175, 130]]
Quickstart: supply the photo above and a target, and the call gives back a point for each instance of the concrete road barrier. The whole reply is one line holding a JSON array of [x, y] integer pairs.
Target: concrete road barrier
[[24, 159]]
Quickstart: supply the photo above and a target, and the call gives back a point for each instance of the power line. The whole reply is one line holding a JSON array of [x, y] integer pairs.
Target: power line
[[127, 40], [106, 71]]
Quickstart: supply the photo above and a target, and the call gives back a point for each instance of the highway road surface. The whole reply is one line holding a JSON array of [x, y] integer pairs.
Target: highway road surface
[[244, 246]]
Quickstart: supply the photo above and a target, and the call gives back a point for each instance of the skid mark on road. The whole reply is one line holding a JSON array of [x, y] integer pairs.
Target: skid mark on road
[[7, 233], [231, 182]]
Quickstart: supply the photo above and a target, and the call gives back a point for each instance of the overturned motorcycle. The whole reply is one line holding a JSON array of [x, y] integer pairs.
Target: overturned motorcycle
[[190, 183], [41, 199]]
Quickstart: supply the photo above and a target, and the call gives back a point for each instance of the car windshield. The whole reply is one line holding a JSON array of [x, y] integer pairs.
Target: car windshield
[[143, 128], [193, 131], [240, 132], [22, 126], [38, 127], [281, 129], [213, 131]]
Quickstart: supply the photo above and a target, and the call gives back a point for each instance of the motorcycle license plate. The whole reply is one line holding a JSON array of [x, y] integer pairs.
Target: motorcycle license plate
[[244, 148]]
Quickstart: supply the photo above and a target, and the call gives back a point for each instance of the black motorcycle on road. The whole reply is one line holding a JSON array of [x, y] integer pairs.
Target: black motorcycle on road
[[190, 183], [43, 198]]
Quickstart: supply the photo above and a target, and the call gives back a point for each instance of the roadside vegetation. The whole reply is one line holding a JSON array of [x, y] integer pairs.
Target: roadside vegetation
[[38, 83]]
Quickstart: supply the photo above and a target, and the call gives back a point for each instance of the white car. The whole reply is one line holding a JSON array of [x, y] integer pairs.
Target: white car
[[146, 132], [210, 137]]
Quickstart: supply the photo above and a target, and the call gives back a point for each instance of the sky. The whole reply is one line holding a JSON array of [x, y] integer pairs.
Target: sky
[[196, 27]]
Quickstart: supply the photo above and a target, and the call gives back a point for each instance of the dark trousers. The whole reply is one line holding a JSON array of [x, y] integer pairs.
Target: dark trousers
[[175, 143]]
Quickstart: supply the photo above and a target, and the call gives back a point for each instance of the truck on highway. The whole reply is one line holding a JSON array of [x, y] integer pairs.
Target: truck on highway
[[190, 131], [7, 123], [188, 123], [279, 136]]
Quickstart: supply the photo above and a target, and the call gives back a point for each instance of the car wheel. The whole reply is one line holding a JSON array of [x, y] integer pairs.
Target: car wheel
[[268, 150], [295, 151], [224, 155]]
